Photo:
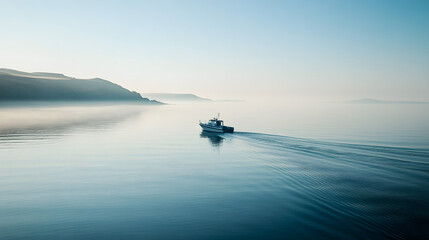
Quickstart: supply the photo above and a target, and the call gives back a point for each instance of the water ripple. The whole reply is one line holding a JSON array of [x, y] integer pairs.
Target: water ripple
[[379, 191]]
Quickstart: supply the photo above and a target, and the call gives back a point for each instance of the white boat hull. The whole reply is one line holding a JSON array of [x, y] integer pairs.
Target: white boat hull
[[210, 128]]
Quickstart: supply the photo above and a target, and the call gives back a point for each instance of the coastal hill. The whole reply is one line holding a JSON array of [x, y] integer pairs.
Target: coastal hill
[[175, 97], [42, 86]]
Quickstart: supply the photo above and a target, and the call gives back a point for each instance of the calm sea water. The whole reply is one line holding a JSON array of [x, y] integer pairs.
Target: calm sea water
[[326, 171]]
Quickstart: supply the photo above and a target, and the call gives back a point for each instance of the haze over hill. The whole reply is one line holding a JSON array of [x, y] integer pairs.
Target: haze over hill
[[42, 86], [176, 97]]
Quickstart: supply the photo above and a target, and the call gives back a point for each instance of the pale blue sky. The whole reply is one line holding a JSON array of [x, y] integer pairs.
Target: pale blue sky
[[329, 50]]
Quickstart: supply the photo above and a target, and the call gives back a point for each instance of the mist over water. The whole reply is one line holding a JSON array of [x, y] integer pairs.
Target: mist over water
[[303, 171]]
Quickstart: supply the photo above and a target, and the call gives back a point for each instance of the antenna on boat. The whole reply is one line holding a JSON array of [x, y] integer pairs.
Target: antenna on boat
[[218, 114]]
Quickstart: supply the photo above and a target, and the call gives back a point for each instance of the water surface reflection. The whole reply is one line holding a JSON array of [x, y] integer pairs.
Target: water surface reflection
[[24, 124], [214, 138]]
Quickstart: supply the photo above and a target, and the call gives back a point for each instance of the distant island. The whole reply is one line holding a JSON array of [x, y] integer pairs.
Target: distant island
[[376, 101], [183, 97], [176, 97], [42, 86]]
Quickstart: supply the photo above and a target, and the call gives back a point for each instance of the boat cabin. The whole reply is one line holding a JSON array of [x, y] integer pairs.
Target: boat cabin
[[216, 122]]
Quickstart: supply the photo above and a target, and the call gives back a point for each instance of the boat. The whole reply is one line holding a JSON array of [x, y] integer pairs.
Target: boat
[[216, 125]]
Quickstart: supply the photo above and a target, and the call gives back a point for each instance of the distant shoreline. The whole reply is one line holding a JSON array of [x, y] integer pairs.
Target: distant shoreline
[[65, 103]]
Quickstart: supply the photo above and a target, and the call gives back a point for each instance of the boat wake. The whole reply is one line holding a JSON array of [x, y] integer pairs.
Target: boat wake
[[419, 157], [375, 191]]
